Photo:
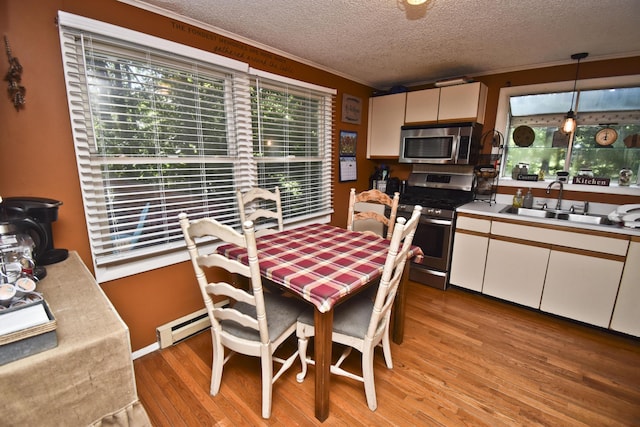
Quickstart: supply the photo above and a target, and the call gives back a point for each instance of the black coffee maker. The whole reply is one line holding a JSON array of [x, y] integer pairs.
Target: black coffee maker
[[33, 216]]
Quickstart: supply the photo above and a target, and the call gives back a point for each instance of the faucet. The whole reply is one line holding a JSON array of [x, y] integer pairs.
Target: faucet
[[559, 194]]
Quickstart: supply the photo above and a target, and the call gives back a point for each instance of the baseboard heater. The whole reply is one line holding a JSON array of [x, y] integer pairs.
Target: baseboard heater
[[184, 327]]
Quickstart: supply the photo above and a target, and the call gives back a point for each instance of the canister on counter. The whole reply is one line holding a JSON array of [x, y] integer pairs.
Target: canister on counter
[[625, 177]]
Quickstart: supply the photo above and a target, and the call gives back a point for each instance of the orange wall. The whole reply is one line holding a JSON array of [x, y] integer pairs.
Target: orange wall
[[37, 156]]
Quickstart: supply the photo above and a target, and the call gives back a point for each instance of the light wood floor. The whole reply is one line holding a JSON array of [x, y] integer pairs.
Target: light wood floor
[[466, 360]]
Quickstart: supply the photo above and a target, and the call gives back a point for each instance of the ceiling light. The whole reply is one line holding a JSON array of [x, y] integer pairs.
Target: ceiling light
[[415, 2], [569, 123]]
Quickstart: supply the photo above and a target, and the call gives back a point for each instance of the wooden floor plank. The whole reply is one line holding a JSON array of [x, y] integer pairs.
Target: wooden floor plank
[[466, 359]]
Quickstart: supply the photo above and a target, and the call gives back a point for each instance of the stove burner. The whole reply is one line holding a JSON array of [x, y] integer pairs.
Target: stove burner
[[435, 198]]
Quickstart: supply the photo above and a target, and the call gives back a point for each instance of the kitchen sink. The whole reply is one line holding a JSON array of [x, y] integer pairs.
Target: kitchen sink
[[538, 213], [586, 219], [561, 215]]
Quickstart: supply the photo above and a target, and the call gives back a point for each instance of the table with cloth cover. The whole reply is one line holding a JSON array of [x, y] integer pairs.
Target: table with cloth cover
[[87, 379], [324, 265]]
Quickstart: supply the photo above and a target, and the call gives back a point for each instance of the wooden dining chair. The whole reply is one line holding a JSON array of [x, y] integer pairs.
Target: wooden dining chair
[[262, 207], [362, 322], [254, 323], [357, 213]]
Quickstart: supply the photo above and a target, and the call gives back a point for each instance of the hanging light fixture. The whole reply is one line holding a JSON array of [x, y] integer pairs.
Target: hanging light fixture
[[569, 123]]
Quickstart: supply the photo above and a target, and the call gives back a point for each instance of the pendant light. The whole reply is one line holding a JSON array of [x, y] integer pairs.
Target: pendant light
[[569, 123]]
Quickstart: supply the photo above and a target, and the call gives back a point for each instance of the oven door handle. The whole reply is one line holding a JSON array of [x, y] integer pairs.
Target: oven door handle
[[435, 221]]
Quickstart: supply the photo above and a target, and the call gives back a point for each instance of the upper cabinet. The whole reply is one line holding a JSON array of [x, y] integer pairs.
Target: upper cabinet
[[386, 116], [458, 103], [422, 106], [449, 104]]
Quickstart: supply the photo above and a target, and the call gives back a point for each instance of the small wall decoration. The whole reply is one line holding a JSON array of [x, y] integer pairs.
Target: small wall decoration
[[347, 153], [590, 180], [632, 141], [351, 109], [560, 140], [14, 76]]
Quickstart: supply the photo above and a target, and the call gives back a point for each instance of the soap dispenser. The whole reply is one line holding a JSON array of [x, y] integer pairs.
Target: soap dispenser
[[527, 202], [517, 199]]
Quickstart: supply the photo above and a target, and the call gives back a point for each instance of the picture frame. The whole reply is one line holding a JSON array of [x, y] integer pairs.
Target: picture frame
[[348, 141], [351, 109], [347, 145]]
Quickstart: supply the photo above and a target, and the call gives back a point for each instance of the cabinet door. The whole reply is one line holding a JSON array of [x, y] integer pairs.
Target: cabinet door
[[626, 315], [581, 287], [515, 272], [422, 106], [468, 260], [464, 102], [386, 116]]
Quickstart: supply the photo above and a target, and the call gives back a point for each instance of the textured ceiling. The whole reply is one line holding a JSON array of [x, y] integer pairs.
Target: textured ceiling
[[383, 43]]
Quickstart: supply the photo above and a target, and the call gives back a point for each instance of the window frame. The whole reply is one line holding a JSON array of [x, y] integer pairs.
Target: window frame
[[116, 265], [502, 124]]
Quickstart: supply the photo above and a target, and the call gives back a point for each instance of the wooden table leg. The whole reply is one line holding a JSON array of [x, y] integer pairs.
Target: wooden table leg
[[323, 330], [399, 307]]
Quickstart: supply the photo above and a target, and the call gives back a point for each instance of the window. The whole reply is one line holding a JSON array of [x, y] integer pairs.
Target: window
[[157, 133], [600, 102], [289, 125]]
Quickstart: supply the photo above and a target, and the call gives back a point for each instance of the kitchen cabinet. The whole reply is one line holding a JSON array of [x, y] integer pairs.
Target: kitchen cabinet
[[581, 286], [626, 314], [458, 103], [516, 263], [386, 117], [422, 106], [469, 252], [584, 274], [515, 271], [592, 276], [560, 270]]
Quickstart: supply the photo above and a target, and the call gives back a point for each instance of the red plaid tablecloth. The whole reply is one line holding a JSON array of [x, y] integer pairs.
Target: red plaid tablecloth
[[319, 262]]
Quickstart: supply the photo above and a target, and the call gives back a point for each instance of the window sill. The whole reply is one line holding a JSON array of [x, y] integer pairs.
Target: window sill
[[632, 190]]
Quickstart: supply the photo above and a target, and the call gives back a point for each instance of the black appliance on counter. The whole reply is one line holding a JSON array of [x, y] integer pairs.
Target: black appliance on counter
[[42, 212], [439, 189]]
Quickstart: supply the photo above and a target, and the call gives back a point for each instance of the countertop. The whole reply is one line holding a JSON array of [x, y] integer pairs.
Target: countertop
[[493, 210]]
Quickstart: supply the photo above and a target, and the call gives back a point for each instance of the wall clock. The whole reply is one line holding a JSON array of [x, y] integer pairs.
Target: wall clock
[[606, 136], [523, 136]]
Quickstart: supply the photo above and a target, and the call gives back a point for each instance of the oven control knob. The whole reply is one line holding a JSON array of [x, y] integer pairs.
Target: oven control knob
[[437, 211]]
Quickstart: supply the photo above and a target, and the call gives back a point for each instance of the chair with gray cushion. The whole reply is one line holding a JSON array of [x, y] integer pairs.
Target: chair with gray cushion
[[362, 322], [253, 323]]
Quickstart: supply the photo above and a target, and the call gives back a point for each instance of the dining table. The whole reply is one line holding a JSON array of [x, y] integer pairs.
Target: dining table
[[324, 265]]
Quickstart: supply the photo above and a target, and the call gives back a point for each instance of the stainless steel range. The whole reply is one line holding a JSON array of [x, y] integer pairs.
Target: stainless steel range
[[439, 189]]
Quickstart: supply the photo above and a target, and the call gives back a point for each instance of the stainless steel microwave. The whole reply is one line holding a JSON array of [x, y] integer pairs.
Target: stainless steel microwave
[[457, 143]]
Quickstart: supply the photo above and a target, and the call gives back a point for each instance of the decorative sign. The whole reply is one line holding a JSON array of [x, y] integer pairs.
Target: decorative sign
[[632, 141], [560, 140], [590, 180], [351, 109], [230, 48], [347, 152]]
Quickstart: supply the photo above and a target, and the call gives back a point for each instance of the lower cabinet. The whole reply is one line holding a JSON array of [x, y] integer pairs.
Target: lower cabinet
[[468, 259], [515, 272], [469, 252], [581, 287], [584, 275], [626, 314]]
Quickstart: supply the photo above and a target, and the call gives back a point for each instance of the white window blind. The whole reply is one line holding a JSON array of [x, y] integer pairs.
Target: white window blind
[[157, 133], [292, 144]]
